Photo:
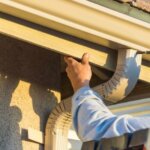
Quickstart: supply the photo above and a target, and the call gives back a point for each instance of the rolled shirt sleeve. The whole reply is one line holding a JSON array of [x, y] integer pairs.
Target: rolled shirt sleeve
[[92, 120]]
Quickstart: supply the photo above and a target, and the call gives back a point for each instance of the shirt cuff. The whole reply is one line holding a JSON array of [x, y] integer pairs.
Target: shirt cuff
[[84, 93]]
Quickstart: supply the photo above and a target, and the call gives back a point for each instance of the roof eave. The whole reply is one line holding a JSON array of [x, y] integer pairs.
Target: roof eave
[[105, 26]]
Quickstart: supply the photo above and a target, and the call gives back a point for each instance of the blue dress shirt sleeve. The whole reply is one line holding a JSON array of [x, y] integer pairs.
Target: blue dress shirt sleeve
[[92, 120]]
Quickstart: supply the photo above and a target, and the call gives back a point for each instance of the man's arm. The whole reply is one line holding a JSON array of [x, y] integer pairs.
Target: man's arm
[[91, 118]]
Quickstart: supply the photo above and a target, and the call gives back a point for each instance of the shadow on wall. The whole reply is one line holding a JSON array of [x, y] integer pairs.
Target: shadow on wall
[[10, 116], [42, 103], [37, 66]]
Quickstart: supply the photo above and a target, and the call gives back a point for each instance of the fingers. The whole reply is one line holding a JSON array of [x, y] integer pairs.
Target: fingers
[[85, 58], [70, 61]]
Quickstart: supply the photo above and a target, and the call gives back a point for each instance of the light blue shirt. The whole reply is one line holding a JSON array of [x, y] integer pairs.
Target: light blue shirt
[[92, 120]]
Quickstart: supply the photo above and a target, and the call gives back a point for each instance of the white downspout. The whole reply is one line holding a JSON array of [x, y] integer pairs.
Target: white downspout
[[125, 77]]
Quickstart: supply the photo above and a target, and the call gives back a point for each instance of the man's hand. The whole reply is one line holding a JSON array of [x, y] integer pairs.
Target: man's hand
[[79, 73]]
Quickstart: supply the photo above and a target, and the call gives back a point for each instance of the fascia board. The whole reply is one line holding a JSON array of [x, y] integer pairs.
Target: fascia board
[[100, 56], [42, 37], [85, 20]]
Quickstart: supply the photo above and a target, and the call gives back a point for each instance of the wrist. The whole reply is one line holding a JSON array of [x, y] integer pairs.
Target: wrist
[[80, 84]]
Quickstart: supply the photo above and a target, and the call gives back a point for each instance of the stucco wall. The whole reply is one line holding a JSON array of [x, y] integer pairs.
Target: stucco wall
[[27, 76]]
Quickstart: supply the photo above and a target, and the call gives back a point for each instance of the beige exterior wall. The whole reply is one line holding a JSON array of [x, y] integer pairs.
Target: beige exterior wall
[[26, 98]]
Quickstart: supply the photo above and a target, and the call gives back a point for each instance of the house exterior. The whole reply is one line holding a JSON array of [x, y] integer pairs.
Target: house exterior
[[35, 92]]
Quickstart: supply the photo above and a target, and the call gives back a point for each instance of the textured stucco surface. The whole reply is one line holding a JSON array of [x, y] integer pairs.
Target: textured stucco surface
[[27, 76]]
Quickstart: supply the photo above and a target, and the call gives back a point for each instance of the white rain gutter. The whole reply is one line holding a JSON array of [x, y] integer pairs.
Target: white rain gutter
[[85, 20]]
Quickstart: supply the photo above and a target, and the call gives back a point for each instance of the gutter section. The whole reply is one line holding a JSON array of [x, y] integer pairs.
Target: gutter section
[[95, 23]]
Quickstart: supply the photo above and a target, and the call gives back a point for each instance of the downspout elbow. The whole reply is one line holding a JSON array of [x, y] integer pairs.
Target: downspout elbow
[[125, 77]]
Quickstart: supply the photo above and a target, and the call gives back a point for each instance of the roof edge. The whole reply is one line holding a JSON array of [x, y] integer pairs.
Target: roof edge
[[124, 8], [109, 32]]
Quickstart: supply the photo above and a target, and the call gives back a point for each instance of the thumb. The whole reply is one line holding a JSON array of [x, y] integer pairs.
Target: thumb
[[85, 58]]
